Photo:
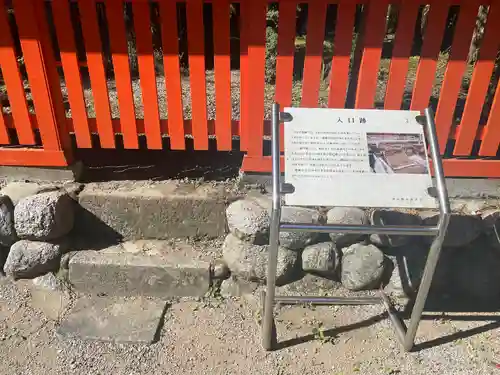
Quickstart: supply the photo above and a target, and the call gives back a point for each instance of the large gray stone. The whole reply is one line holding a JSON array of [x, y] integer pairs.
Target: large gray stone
[[346, 215], [29, 259], [158, 211], [321, 259], [235, 287], [310, 284], [491, 222], [388, 217], [298, 215], [20, 190], [219, 270], [468, 206], [249, 219], [115, 320], [362, 267], [45, 216], [7, 230], [462, 229], [249, 261], [126, 274]]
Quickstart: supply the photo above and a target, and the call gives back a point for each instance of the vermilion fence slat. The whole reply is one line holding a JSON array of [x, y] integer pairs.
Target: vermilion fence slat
[[372, 52], [314, 53], [255, 86], [491, 139], [339, 73], [455, 71], [168, 15], [121, 66], [32, 53], [286, 49], [196, 52], [244, 73], [222, 62], [71, 69], [52, 86], [436, 20], [14, 83], [92, 39], [284, 60], [479, 84], [400, 55], [145, 57]]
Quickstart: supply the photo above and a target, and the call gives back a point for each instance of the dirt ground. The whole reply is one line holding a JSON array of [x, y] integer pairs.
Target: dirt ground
[[222, 337]]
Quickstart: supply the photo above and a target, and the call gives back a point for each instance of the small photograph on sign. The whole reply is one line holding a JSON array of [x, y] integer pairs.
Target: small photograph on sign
[[398, 153]]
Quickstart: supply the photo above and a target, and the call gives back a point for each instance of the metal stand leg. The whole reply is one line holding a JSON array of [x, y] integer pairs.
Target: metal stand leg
[[268, 333], [435, 250], [425, 285]]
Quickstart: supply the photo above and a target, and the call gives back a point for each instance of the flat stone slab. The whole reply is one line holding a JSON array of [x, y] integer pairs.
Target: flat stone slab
[[157, 211], [118, 320], [123, 271]]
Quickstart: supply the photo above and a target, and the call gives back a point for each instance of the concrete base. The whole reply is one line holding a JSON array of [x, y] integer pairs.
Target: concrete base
[[160, 273], [70, 173], [475, 188], [155, 211], [115, 320]]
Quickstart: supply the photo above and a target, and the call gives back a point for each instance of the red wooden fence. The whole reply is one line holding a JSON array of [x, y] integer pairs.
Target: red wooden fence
[[36, 126]]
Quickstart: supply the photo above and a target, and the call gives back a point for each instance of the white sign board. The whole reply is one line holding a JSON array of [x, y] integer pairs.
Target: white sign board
[[358, 158]]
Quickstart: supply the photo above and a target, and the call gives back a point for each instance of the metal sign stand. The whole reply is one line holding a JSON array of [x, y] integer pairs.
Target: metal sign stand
[[406, 335]]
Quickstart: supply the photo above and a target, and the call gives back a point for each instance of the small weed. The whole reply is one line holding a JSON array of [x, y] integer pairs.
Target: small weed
[[319, 334], [391, 371], [258, 317]]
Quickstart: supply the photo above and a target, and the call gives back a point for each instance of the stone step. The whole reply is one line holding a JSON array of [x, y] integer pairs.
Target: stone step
[[142, 210], [141, 268]]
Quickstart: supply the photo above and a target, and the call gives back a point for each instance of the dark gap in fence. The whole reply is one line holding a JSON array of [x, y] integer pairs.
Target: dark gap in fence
[[156, 39], [234, 35], [387, 48], [329, 44], [105, 40], [359, 30], [49, 17], [131, 42], [444, 56], [78, 32], [208, 26], [209, 59], [490, 95], [182, 30], [14, 139], [300, 47]]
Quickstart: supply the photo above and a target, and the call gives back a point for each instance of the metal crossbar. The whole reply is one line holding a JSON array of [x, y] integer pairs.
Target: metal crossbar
[[406, 335]]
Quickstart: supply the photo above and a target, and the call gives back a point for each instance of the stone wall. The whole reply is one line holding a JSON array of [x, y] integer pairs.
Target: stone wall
[[470, 256], [35, 223], [41, 226]]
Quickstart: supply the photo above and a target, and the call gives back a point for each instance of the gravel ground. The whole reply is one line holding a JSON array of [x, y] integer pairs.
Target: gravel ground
[[222, 337]]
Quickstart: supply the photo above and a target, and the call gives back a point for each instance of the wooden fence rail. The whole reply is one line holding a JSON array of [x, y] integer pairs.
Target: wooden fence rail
[[120, 70]]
